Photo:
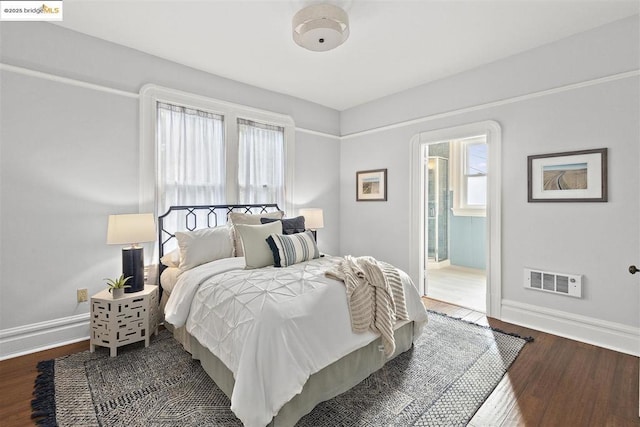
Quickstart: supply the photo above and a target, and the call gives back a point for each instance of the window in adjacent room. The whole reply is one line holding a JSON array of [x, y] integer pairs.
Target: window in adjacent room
[[470, 188]]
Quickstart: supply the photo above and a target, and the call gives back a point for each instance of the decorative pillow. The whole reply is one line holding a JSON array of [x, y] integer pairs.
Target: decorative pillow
[[172, 259], [204, 245], [292, 249], [256, 250], [168, 279], [289, 225], [242, 218]]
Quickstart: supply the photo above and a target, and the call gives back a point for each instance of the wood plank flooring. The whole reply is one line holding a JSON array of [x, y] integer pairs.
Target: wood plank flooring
[[557, 382], [17, 377], [553, 382], [461, 286]]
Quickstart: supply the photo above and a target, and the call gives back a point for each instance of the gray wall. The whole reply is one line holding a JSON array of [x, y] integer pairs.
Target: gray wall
[[600, 52], [69, 157], [598, 240]]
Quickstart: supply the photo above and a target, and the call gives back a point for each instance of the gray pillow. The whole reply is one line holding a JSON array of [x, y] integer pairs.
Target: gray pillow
[[289, 225], [257, 252], [253, 219]]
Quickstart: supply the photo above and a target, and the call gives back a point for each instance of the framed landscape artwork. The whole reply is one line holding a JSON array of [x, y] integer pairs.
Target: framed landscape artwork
[[371, 185], [575, 176]]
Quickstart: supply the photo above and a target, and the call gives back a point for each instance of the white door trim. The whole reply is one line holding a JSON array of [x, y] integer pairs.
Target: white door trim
[[494, 186]]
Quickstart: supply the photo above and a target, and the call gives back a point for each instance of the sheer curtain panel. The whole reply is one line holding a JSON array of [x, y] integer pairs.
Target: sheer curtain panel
[[191, 157], [261, 163]]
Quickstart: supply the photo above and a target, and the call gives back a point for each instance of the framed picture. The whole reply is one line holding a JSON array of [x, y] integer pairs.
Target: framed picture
[[371, 185], [575, 176]]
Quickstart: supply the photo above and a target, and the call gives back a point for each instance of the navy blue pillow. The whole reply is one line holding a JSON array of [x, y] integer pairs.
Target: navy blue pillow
[[289, 225]]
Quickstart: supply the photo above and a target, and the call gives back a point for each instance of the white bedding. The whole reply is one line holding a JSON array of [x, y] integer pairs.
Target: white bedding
[[169, 278], [272, 327]]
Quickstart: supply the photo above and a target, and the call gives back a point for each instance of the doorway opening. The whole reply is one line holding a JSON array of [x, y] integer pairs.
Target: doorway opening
[[455, 198], [419, 249]]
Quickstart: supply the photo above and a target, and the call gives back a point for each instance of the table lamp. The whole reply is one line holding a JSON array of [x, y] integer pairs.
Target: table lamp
[[313, 219], [132, 229]]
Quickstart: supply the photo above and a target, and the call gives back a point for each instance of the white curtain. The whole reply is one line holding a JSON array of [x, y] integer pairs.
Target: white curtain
[[261, 163], [191, 157]]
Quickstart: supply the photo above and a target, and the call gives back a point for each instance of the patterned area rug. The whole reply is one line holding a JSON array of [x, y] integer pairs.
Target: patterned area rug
[[441, 381]]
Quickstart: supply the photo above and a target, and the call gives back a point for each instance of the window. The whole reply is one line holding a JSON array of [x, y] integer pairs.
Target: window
[[261, 163], [475, 173], [191, 157], [470, 176], [196, 150]]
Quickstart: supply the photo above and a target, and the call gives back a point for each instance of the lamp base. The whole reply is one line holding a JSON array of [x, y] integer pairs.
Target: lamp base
[[133, 266]]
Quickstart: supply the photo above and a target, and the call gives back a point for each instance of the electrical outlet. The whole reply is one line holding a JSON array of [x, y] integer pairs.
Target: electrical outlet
[[83, 295]]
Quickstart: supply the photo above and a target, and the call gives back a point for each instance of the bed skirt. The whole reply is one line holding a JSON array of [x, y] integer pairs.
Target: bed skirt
[[325, 384]]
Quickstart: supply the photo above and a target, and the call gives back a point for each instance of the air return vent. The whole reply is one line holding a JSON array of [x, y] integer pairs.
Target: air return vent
[[558, 283]]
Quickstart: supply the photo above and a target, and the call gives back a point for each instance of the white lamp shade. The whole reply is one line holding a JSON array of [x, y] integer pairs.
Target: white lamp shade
[[131, 228], [313, 218]]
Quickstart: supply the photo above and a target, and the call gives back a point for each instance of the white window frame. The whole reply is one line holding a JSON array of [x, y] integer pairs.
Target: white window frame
[[150, 94], [459, 178]]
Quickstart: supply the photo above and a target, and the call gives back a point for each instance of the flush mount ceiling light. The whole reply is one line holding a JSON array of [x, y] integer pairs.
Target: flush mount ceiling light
[[320, 27]]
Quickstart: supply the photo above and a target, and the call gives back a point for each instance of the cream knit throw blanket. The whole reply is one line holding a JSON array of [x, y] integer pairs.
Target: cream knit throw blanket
[[375, 296]]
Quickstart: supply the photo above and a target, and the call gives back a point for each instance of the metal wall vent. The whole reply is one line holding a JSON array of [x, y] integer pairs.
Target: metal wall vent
[[558, 283]]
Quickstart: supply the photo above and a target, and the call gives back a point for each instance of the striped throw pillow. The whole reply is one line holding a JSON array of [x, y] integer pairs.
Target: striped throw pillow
[[292, 248]]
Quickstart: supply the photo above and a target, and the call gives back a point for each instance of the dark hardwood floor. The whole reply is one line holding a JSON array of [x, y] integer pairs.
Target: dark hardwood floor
[[557, 382], [553, 382], [17, 377]]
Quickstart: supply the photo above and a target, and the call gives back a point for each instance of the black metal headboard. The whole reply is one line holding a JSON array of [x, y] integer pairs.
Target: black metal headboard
[[204, 216]]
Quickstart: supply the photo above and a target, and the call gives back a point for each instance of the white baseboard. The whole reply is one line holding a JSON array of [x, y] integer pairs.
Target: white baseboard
[[438, 265], [40, 336], [36, 337], [611, 335]]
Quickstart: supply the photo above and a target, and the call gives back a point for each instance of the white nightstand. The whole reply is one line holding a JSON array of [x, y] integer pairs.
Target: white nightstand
[[122, 321]]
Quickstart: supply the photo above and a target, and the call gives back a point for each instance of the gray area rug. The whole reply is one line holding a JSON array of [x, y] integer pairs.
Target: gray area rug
[[441, 381]]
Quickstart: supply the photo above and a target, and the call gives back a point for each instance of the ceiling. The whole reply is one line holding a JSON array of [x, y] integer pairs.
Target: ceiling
[[393, 45]]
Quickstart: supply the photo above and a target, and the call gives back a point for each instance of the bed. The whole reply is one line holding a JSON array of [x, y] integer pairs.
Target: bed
[[276, 340]]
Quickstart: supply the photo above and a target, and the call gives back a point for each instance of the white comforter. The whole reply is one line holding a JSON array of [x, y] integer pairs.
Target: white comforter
[[272, 327]]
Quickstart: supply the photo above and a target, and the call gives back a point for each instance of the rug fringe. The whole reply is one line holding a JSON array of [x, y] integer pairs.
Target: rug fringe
[[526, 339], [43, 404]]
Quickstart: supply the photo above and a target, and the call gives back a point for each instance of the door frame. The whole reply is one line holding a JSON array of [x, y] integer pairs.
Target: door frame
[[417, 265]]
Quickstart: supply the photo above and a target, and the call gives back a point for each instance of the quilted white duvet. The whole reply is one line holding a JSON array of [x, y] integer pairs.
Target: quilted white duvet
[[272, 327]]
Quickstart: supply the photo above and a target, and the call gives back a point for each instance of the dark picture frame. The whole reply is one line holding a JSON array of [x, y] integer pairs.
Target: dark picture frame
[[371, 185], [571, 176]]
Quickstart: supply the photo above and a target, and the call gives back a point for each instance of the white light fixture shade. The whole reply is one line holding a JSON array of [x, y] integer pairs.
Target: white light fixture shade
[[313, 218], [131, 228], [320, 27]]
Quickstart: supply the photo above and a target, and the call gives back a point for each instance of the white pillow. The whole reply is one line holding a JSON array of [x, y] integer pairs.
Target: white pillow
[[168, 279], [172, 259], [251, 219], [254, 241], [204, 245]]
